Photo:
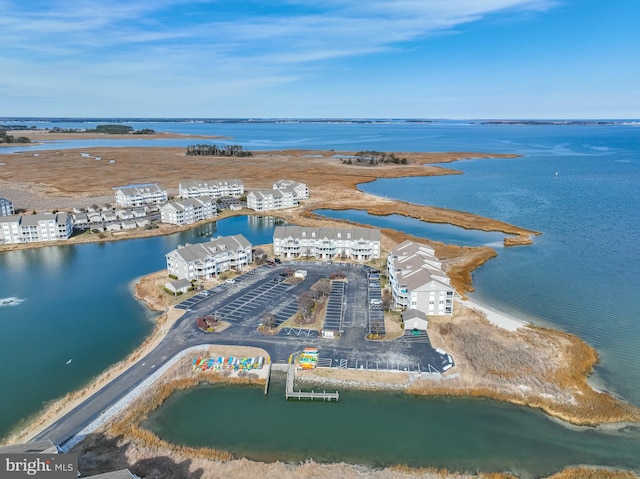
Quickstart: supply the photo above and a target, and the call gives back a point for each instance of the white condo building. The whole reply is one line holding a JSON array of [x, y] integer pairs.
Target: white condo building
[[140, 195], [33, 228], [285, 194], [6, 207], [213, 188], [262, 200], [417, 280], [206, 260], [361, 244], [188, 211], [300, 190]]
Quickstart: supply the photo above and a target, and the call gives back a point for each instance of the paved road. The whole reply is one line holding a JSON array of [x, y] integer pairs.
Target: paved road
[[242, 304]]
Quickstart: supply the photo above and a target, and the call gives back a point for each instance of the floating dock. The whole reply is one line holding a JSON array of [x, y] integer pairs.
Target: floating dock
[[313, 395]]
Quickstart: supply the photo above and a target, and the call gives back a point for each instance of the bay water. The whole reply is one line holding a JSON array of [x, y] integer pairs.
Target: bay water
[[62, 303]]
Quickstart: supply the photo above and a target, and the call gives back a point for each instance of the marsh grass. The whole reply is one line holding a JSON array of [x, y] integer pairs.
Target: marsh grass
[[534, 366]]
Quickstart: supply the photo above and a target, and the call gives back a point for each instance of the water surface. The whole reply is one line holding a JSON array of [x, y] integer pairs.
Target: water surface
[[381, 428]]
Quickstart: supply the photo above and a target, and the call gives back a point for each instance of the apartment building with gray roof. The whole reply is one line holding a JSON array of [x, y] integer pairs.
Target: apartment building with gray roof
[[207, 260], [417, 280], [360, 244]]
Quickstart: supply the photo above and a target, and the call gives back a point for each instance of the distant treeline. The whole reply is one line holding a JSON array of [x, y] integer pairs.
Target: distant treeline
[[215, 150], [107, 129], [17, 127], [372, 158], [6, 138]]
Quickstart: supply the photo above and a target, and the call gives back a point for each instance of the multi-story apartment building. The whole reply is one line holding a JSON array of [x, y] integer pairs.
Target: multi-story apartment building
[[361, 244], [33, 228], [214, 188], [206, 260], [139, 195], [6, 207], [262, 200], [299, 189], [285, 194], [188, 211], [417, 280]]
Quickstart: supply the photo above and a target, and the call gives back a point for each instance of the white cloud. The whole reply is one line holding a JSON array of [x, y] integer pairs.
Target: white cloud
[[152, 47]]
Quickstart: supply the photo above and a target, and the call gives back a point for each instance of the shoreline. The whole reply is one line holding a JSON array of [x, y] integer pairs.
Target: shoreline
[[40, 137], [452, 256]]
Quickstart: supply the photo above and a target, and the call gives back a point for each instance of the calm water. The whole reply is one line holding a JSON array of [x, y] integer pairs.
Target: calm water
[[380, 429], [75, 303], [581, 276], [444, 233]]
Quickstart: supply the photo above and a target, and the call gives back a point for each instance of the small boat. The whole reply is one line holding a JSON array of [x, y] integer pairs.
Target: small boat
[[69, 362]]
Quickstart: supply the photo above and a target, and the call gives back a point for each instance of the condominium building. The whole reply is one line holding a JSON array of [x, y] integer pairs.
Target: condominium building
[[6, 207], [139, 195], [262, 200], [188, 211], [213, 188], [206, 260], [300, 190], [417, 280], [361, 244], [33, 228]]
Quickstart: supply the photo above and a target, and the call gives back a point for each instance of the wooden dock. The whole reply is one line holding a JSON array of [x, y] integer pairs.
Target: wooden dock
[[266, 383], [291, 394]]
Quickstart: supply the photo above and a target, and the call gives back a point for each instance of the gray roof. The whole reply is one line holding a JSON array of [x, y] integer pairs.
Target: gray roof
[[267, 193], [180, 283], [38, 447], [179, 205], [121, 474], [193, 252], [10, 219], [210, 183], [413, 313], [418, 266], [134, 190], [32, 220], [367, 234], [287, 184]]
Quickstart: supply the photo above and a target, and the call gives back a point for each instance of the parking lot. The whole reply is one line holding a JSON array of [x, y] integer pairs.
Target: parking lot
[[353, 312]]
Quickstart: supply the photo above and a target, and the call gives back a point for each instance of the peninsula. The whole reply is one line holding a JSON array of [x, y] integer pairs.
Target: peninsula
[[490, 360]]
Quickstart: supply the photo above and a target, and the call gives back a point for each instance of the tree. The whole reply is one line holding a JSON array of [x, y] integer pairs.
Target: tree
[[269, 321], [305, 305], [324, 287]]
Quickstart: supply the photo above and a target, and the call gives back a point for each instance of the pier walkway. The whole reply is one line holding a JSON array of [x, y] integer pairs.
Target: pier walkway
[[291, 394]]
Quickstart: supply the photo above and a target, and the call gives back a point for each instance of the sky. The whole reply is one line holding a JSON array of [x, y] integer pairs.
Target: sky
[[457, 59]]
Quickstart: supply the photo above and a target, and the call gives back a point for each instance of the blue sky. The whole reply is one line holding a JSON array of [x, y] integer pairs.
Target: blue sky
[[310, 59]]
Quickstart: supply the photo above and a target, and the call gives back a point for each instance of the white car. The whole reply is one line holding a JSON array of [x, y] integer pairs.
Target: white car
[[230, 281], [375, 301]]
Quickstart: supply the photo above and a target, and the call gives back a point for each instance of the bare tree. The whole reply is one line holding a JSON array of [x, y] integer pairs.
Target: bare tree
[[306, 304], [269, 321], [324, 287]]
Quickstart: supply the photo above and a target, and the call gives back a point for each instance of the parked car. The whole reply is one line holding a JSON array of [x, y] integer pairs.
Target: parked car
[[230, 281], [375, 301]]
